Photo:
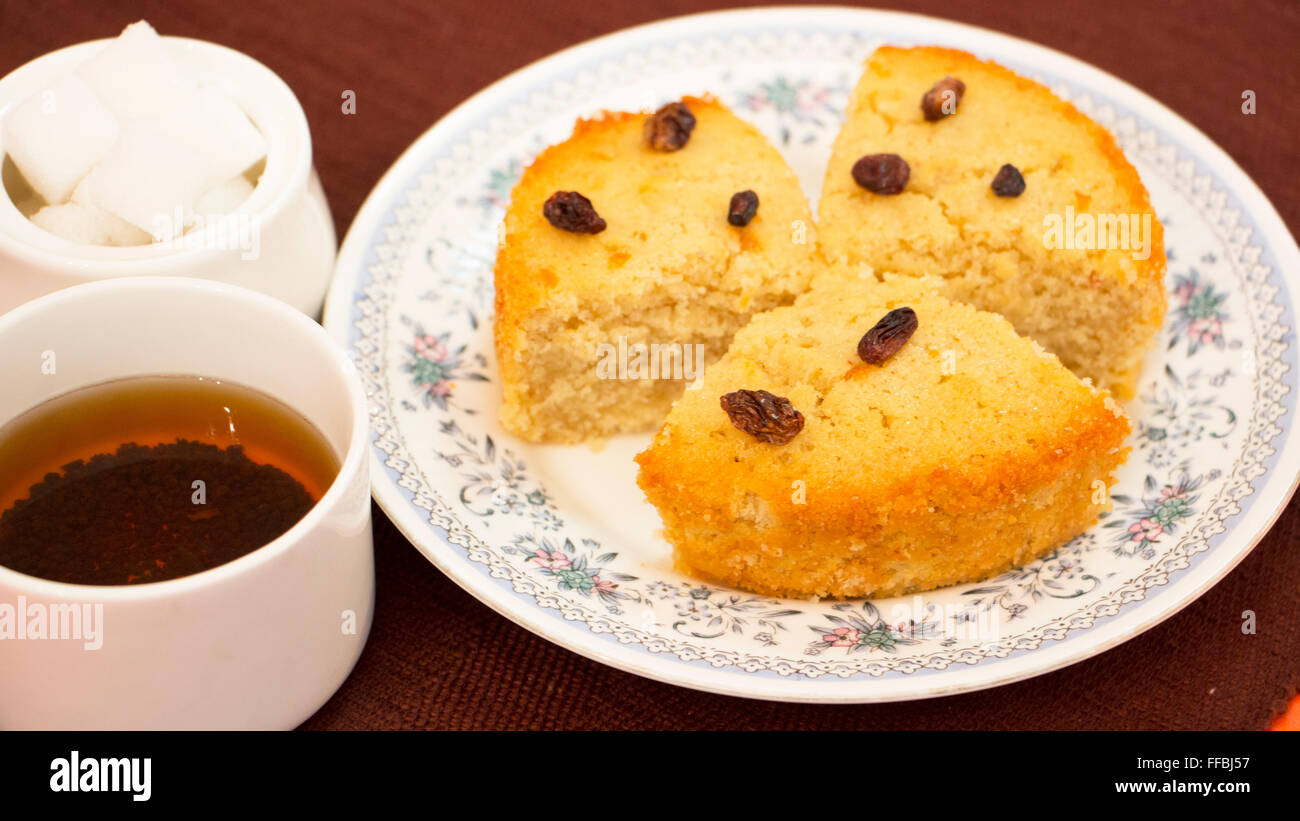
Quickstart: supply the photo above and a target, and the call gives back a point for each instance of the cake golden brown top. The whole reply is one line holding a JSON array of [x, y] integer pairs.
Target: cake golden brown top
[[967, 414], [1016, 200], [665, 213], [948, 212]]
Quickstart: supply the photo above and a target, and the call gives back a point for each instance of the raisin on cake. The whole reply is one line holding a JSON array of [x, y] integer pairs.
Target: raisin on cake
[[668, 229], [952, 166], [875, 439]]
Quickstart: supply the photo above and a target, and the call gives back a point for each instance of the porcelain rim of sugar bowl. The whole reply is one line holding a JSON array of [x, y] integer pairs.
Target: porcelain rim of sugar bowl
[[287, 178]]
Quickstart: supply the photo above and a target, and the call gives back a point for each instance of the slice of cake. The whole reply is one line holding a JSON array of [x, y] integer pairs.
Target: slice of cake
[[632, 253], [875, 439], [953, 166]]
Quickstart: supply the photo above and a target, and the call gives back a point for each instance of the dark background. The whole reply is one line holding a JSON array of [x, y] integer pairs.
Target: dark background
[[439, 659]]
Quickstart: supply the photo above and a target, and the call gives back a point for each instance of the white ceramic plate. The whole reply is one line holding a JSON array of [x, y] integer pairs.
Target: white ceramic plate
[[560, 539]]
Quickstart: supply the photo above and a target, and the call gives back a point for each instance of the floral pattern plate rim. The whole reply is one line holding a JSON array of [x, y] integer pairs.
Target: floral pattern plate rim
[[559, 539]]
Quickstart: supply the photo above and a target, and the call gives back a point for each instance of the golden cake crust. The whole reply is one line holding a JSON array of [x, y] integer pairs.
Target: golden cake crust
[[992, 251], [955, 60], [904, 477], [668, 268]]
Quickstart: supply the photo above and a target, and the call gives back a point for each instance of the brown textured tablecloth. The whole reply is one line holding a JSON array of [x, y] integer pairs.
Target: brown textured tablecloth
[[438, 659]]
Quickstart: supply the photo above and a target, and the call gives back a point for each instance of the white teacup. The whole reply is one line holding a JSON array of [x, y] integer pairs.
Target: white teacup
[[281, 240], [259, 642]]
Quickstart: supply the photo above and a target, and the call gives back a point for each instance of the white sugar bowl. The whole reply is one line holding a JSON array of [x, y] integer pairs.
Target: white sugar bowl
[[279, 241]]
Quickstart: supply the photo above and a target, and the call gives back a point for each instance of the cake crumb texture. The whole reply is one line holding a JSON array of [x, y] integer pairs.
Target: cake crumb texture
[[971, 451], [1098, 308], [667, 270]]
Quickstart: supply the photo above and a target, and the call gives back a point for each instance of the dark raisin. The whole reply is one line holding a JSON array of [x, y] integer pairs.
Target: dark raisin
[[888, 336], [763, 415], [882, 173], [670, 127], [744, 205], [1008, 182], [570, 211], [942, 98]]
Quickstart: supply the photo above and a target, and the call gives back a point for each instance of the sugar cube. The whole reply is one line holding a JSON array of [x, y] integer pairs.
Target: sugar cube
[[224, 198], [57, 135], [88, 225], [136, 75], [150, 180], [217, 129]]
